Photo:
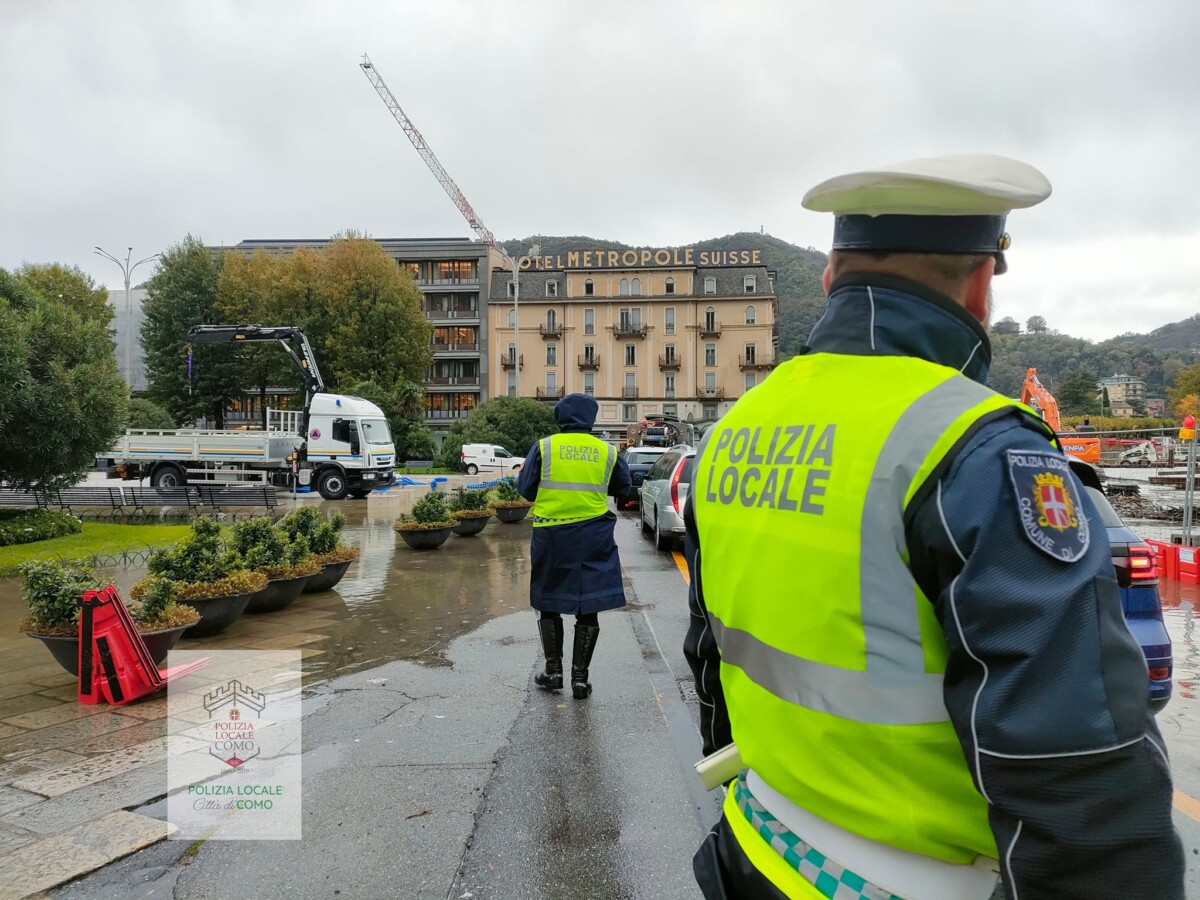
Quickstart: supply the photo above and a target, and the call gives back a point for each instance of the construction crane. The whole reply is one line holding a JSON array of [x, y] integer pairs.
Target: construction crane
[[431, 160]]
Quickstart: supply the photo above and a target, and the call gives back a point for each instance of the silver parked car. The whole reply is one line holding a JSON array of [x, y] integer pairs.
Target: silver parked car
[[664, 493]]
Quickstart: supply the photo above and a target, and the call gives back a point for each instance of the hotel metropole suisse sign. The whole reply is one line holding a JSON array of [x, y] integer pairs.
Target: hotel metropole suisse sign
[[644, 258]]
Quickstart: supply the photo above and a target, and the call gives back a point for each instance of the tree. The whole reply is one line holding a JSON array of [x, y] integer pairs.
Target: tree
[[1036, 325], [182, 293], [1076, 393], [63, 400], [515, 423], [145, 414], [1187, 383], [1007, 325], [1188, 405], [69, 285], [363, 314], [404, 406]]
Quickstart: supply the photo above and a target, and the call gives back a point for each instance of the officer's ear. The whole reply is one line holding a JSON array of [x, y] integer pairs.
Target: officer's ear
[[976, 293], [827, 279]]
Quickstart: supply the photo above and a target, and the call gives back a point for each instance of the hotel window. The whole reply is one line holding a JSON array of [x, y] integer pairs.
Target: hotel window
[[589, 383], [551, 320], [630, 383], [636, 287], [552, 354], [588, 288], [414, 268], [670, 285], [710, 354], [624, 287], [669, 320], [512, 289], [710, 285], [708, 412], [631, 354], [512, 383], [589, 353], [551, 383], [669, 353], [710, 319], [751, 353], [512, 352], [751, 315], [551, 288], [751, 380], [669, 387], [512, 318], [710, 381], [670, 409], [457, 270], [589, 321], [629, 412], [749, 284]]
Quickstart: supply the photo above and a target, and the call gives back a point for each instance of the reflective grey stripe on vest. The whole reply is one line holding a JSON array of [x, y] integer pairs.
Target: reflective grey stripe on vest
[[548, 482], [895, 688]]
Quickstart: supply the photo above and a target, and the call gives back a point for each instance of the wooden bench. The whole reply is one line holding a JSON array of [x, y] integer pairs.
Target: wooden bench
[[74, 498], [186, 498], [221, 497], [10, 499]]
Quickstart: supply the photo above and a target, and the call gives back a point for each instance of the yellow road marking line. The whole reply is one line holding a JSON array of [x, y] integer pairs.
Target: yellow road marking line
[[1189, 806], [681, 564]]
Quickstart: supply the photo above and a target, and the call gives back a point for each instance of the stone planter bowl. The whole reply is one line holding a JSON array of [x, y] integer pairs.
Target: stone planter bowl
[[467, 526], [217, 613], [278, 594], [426, 540], [65, 648], [510, 514], [330, 575]]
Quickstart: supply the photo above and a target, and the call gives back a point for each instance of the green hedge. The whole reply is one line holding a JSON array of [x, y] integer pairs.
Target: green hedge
[[28, 525]]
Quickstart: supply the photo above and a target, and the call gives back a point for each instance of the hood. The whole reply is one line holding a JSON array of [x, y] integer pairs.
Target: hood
[[576, 412]]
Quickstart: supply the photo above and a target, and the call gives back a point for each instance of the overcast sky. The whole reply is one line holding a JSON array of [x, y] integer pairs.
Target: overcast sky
[[653, 122]]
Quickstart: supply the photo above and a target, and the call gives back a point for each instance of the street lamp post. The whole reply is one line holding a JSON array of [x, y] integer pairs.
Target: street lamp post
[[515, 264], [127, 271]]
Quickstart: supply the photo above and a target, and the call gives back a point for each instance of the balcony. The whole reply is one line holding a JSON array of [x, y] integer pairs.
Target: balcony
[[591, 362], [669, 362], [704, 393], [507, 362], [459, 347], [447, 413], [629, 330], [453, 312], [756, 362], [550, 332], [629, 393], [710, 330], [544, 393], [444, 380]]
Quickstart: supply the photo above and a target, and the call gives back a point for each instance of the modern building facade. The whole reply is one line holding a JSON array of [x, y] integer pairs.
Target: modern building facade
[[451, 274], [1124, 390], [670, 331]]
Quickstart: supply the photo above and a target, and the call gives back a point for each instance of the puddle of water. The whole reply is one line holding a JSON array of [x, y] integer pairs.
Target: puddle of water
[[394, 602], [1181, 609]]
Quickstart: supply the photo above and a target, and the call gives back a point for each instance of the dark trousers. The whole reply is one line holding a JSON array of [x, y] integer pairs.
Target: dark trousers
[[580, 618]]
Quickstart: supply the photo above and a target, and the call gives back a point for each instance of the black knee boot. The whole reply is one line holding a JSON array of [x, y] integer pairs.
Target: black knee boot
[[581, 656], [551, 630]]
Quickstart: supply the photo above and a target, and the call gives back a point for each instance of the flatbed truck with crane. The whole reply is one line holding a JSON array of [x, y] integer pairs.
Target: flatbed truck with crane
[[339, 444]]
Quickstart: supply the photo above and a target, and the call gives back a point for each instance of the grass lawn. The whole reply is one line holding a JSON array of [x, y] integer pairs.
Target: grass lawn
[[97, 539]]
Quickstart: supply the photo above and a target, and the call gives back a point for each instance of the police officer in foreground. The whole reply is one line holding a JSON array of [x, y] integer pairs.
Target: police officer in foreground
[[904, 610], [575, 567]]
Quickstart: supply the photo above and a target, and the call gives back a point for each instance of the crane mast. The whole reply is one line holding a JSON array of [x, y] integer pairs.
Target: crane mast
[[431, 160]]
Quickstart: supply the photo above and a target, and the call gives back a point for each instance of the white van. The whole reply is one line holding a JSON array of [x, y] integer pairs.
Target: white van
[[478, 458]]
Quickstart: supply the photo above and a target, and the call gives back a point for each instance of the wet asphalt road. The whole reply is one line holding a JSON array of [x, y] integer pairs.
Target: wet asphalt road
[[433, 768]]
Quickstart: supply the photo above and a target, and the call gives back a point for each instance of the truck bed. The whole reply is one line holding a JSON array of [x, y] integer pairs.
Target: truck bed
[[259, 448]]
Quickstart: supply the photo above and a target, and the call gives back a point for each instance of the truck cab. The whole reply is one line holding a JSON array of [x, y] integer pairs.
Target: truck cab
[[348, 447]]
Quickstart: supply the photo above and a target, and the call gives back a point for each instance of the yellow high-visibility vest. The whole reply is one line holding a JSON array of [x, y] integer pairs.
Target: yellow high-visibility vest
[[574, 479], [832, 659]]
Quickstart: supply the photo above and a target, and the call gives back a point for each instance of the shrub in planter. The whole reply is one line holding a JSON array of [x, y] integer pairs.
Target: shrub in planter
[[28, 525], [470, 511], [266, 547], [324, 535], [506, 496], [429, 524], [53, 591]]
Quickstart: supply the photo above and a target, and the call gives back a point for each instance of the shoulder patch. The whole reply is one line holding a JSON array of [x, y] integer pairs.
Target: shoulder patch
[[1047, 504]]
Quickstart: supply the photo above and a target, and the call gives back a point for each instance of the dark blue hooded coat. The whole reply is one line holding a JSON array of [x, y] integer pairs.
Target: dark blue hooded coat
[[575, 567]]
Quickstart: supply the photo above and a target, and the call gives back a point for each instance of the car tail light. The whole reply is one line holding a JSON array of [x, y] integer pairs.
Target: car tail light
[[675, 485], [1160, 673], [1142, 565]]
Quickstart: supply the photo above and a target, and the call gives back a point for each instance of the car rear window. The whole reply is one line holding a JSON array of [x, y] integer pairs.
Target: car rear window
[[689, 467], [636, 457], [1108, 515]]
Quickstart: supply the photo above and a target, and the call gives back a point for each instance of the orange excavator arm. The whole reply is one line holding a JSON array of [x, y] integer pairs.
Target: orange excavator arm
[[1035, 395]]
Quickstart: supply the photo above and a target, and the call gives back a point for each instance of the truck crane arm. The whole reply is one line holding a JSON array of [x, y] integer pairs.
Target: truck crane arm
[[290, 337]]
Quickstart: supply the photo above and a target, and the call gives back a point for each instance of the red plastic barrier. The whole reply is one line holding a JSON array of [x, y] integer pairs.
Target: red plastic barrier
[[1189, 565], [1168, 558], [114, 664]]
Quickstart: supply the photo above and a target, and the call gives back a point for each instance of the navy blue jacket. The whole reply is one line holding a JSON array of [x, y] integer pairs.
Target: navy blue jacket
[[1045, 686], [575, 567]]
